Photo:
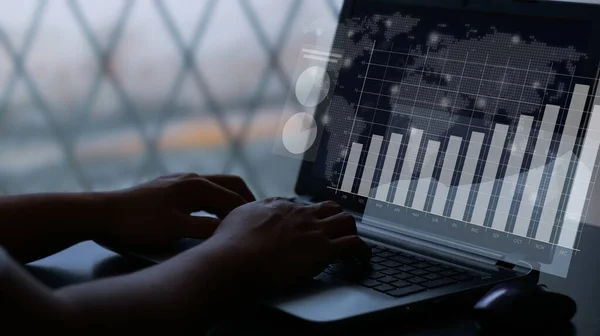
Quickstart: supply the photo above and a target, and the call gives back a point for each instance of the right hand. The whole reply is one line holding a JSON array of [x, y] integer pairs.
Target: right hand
[[282, 244]]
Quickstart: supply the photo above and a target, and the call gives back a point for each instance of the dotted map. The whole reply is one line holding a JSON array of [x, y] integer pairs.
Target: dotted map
[[446, 74]]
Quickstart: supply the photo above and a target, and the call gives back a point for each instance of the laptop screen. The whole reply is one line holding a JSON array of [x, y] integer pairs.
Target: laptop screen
[[479, 129]]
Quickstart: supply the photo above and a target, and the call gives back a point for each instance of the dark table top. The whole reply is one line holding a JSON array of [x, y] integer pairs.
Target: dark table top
[[88, 261]]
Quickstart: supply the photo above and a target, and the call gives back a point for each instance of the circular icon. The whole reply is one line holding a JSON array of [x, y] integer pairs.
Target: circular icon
[[299, 133], [312, 86]]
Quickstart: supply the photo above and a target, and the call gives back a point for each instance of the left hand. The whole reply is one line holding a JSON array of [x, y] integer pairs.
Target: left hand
[[159, 211]]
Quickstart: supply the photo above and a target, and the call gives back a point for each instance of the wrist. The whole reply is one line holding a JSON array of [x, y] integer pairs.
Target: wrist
[[247, 264], [101, 213], [206, 280], [231, 268], [79, 217]]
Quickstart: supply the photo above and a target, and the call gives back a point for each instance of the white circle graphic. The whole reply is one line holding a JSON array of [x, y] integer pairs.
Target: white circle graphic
[[299, 133], [312, 86]]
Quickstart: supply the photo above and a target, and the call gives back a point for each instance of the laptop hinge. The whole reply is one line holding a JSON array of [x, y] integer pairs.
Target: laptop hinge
[[504, 264]]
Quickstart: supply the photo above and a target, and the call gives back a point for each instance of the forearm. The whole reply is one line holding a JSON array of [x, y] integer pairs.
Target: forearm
[[34, 226], [195, 286], [23, 298]]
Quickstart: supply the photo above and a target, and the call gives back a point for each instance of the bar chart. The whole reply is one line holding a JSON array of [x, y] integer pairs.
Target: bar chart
[[444, 184], [474, 135]]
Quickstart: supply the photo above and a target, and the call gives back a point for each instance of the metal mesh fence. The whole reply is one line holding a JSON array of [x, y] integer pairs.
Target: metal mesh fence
[[105, 94]]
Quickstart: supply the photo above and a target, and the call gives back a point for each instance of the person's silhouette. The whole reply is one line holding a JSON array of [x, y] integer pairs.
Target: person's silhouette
[[251, 247]]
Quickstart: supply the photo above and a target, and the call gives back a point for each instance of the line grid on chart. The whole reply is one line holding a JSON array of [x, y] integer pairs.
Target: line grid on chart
[[441, 74], [404, 131], [490, 65]]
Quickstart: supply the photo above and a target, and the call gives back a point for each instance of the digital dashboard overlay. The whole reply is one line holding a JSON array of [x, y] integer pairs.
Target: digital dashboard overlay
[[481, 131]]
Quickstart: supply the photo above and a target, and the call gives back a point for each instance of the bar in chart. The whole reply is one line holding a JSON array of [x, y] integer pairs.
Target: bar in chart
[[509, 184], [414, 145], [388, 167], [564, 157], [538, 165], [583, 179], [351, 167], [468, 173], [369, 172], [443, 187], [431, 154], [489, 174], [441, 171]]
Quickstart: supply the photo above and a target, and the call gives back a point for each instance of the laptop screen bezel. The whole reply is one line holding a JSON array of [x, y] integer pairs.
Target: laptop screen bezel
[[309, 186]]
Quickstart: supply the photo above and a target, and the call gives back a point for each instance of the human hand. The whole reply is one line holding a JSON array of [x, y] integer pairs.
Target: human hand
[[159, 211], [281, 244]]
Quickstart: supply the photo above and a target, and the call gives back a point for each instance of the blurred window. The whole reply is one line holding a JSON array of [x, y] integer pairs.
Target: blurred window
[[104, 94]]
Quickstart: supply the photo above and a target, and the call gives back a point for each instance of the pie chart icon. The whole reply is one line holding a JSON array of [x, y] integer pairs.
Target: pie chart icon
[[312, 86], [299, 133]]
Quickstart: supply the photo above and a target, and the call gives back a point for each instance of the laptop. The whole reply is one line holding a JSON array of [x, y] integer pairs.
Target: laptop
[[454, 131]]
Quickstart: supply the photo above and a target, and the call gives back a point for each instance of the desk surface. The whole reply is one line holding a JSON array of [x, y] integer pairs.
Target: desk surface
[[88, 261]]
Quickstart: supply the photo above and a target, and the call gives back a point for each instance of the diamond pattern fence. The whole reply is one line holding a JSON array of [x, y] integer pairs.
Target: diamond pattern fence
[[120, 128]]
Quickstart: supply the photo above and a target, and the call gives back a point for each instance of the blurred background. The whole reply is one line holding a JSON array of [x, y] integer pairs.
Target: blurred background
[[105, 94]]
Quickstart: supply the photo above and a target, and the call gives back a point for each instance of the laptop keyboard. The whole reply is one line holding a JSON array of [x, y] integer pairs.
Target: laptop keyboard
[[399, 274]]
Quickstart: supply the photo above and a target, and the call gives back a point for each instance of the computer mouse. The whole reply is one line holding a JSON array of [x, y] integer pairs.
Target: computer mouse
[[524, 305]]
